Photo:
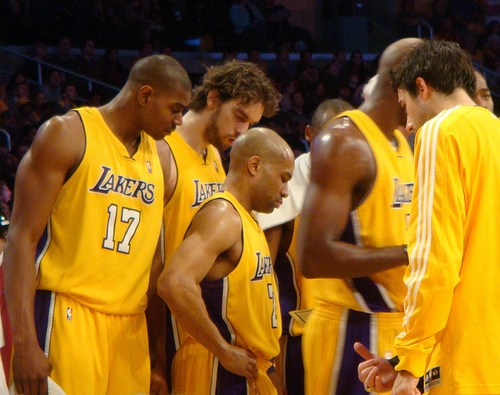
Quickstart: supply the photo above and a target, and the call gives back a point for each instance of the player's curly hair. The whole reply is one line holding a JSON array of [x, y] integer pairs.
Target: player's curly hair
[[237, 80]]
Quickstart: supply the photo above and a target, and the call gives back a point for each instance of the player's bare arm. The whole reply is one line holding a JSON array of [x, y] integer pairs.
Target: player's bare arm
[[279, 239], [210, 251], [155, 312], [342, 173], [55, 153]]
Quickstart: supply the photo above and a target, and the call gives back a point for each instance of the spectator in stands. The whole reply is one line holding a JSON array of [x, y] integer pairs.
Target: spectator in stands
[[63, 56], [3, 98], [112, 70], [30, 68], [280, 30], [87, 62], [447, 31], [356, 68], [53, 87], [70, 98], [282, 69], [248, 26], [332, 78]]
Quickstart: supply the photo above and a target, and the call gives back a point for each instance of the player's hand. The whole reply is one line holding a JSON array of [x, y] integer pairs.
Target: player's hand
[[31, 368], [158, 384], [405, 384], [241, 362], [376, 372]]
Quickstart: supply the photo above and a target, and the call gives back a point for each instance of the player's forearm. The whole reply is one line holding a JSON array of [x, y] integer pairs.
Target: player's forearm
[[336, 259], [186, 304], [20, 288]]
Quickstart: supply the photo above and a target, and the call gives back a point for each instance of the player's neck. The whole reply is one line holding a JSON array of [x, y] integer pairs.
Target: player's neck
[[237, 188], [440, 102], [193, 131]]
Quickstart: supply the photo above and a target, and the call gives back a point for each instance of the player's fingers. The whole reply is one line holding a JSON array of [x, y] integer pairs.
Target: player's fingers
[[364, 371], [366, 364], [370, 380], [363, 351], [19, 388], [253, 385]]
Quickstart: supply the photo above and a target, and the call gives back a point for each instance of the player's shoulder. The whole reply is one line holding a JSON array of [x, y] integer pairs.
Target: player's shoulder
[[340, 138], [220, 216]]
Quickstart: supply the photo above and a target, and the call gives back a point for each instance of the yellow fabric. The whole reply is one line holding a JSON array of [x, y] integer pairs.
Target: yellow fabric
[[325, 331], [96, 353], [197, 179], [105, 223], [453, 303], [381, 219], [199, 376]]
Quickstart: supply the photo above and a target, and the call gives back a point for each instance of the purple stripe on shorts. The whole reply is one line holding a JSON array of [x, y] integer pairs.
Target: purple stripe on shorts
[[358, 330], [229, 383], [42, 309], [294, 366]]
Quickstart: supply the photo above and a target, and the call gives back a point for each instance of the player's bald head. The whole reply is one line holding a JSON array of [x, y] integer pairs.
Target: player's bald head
[[261, 142], [325, 112], [394, 54]]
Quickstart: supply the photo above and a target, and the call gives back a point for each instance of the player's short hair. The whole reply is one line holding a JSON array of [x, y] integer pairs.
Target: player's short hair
[[442, 64], [161, 72], [237, 80]]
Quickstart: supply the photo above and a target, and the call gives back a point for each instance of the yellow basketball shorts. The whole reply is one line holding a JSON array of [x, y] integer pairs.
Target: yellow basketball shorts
[[197, 371], [92, 352], [330, 362]]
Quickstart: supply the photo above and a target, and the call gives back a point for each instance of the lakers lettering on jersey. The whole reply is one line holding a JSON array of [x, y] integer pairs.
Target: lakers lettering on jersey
[[105, 223]]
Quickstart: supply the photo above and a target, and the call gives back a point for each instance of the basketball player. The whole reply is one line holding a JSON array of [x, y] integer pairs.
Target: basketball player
[[232, 97], [5, 334], [452, 308], [352, 234], [482, 94], [294, 290], [220, 283], [90, 193]]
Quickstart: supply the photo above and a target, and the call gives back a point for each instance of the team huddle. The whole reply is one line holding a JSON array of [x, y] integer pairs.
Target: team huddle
[[134, 264]]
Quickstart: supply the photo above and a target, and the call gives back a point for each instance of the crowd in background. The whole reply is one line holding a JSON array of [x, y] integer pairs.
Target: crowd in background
[[151, 26]]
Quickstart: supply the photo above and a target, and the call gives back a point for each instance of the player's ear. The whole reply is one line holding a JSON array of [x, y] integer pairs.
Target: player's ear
[[309, 133], [213, 99], [254, 165], [144, 95], [423, 88]]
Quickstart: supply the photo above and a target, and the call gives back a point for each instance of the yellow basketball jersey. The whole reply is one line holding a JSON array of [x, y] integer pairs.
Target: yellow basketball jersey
[[452, 311], [244, 305], [197, 179], [381, 220], [105, 223]]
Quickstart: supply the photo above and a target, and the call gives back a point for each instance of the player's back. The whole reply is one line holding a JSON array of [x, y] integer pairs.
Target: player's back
[[461, 168]]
